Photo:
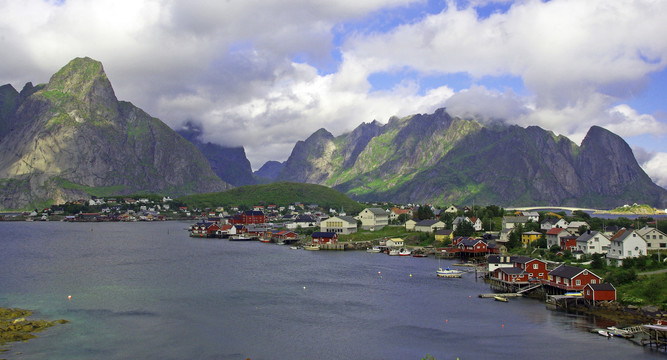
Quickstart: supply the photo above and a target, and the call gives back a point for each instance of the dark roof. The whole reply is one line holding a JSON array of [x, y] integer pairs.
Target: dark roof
[[567, 271], [426, 222], [443, 232], [253, 212], [511, 270], [321, 234], [470, 242], [602, 287], [586, 236]]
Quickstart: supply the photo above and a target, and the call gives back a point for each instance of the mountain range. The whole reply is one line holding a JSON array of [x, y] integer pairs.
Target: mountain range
[[440, 159], [72, 138]]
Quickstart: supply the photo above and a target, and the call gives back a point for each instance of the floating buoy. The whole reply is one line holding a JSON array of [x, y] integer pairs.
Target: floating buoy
[[446, 321], [503, 325], [69, 297], [410, 275], [304, 288]]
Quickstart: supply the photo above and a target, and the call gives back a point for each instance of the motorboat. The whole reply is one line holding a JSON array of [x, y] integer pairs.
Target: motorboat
[[404, 252], [374, 249], [449, 273]]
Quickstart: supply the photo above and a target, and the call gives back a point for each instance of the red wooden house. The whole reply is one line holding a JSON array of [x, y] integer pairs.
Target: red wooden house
[[600, 292], [473, 247], [511, 275], [285, 236], [569, 278], [253, 217], [568, 243], [535, 268], [320, 237]]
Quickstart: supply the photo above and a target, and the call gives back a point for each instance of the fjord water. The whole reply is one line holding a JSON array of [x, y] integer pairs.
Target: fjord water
[[148, 291]]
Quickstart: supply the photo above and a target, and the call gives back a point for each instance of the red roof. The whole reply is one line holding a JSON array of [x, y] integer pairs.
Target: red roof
[[555, 231]]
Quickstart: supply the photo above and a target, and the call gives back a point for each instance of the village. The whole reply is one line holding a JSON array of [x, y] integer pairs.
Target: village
[[561, 284]]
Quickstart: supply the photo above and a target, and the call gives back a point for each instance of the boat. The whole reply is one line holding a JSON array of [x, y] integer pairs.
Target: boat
[[393, 252], [267, 240], [311, 247], [404, 252], [419, 255], [241, 237], [449, 273], [374, 249], [500, 298], [604, 333], [294, 247]]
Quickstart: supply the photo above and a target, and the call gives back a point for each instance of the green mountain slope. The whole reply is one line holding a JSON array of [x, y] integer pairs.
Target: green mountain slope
[[280, 194]]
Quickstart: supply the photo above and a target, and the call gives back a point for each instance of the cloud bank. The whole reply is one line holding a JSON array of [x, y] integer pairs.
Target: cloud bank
[[265, 74]]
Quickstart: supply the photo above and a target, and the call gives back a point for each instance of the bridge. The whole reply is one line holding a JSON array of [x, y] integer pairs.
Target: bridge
[[533, 208]]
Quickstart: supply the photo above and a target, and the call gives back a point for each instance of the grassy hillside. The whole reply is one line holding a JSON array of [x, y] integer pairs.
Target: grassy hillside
[[280, 194]]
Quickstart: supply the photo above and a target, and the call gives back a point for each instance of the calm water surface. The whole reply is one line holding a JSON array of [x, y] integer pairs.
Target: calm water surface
[[148, 291]]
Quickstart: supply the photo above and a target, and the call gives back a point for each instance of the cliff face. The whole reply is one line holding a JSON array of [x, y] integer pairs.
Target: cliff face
[[434, 158], [229, 163], [71, 138]]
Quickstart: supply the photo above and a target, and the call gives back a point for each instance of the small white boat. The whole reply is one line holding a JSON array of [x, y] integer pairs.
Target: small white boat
[[604, 333], [404, 252], [500, 298], [449, 273], [393, 252], [374, 249], [311, 247], [294, 247]]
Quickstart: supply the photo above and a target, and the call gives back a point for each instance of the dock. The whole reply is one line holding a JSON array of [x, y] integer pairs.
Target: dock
[[500, 294], [329, 246]]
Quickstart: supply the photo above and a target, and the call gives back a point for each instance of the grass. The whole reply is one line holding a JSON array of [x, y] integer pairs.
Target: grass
[[385, 232]]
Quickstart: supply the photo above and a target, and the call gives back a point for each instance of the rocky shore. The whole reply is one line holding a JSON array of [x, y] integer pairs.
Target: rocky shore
[[14, 326]]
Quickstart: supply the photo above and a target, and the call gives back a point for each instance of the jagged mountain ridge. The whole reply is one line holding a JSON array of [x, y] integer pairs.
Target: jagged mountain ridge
[[72, 137], [434, 158], [229, 163]]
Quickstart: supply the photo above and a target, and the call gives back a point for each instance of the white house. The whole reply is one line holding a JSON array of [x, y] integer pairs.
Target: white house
[[548, 224], [452, 210], [593, 242], [373, 218], [410, 225], [429, 225], [554, 235], [339, 224], [395, 242], [509, 222], [655, 239], [531, 215], [575, 225], [625, 244]]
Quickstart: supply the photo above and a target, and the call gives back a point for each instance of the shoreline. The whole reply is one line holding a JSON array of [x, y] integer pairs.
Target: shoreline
[[16, 326]]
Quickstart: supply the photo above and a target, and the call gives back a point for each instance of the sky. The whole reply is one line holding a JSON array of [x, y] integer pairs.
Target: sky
[[266, 74]]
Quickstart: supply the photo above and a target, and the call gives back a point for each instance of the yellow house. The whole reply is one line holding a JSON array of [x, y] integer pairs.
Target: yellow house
[[529, 237], [442, 235]]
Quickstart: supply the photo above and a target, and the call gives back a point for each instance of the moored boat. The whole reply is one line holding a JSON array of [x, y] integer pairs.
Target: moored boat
[[449, 273], [404, 252], [500, 298], [374, 249], [311, 247], [393, 252]]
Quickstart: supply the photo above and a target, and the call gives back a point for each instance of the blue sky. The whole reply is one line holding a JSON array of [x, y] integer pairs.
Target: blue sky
[[249, 71]]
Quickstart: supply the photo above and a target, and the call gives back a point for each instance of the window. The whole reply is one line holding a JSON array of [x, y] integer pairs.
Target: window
[[578, 282], [663, 245], [541, 274], [535, 266], [593, 281]]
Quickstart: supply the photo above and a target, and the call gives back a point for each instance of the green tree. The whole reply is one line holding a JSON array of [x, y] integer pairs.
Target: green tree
[[464, 228], [447, 218], [598, 262], [541, 242], [402, 218], [424, 213]]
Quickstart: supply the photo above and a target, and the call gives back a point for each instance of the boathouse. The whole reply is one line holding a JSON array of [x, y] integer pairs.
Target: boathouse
[[599, 292], [320, 237], [566, 278]]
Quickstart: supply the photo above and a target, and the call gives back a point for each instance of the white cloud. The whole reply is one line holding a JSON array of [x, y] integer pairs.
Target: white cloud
[[230, 65], [655, 165]]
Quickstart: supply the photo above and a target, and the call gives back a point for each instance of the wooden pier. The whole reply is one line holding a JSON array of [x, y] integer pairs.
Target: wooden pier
[[655, 335], [328, 246], [499, 294]]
